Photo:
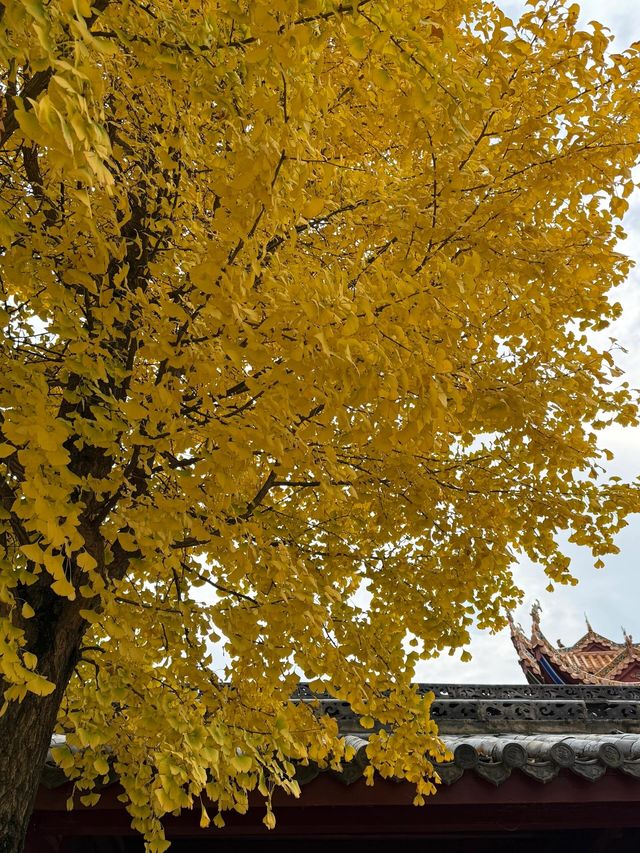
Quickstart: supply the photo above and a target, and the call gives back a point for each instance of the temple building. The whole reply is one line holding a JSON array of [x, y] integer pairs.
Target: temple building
[[551, 765], [593, 659]]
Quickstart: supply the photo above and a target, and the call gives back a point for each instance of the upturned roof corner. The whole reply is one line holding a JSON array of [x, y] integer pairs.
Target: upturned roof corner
[[592, 659]]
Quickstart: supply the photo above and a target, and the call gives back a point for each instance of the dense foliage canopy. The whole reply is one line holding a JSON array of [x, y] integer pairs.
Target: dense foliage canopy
[[296, 299]]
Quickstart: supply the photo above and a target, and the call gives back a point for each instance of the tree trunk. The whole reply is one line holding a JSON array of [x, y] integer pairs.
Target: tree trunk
[[26, 727]]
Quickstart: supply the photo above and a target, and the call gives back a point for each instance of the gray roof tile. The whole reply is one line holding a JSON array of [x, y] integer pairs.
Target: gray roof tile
[[497, 730]]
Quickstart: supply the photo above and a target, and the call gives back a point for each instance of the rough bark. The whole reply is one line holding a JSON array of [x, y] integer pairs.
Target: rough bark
[[26, 727]]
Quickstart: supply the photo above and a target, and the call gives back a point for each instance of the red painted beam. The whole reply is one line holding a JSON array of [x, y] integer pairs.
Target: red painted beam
[[330, 809]]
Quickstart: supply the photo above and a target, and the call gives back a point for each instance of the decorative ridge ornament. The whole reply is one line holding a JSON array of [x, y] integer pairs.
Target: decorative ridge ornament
[[536, 609]]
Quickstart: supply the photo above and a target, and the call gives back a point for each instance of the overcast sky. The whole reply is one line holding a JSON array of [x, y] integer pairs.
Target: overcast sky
[[610, 595]]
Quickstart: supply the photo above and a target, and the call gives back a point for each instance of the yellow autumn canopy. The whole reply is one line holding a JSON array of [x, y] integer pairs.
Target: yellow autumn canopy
[[295, 302]]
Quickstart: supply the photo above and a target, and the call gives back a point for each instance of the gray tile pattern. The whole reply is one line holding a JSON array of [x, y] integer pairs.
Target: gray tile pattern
[[494, 731]]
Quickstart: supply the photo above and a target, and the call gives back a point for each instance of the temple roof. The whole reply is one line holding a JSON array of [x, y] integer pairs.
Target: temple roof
[[539, 731], [499, 731], [593, 659]]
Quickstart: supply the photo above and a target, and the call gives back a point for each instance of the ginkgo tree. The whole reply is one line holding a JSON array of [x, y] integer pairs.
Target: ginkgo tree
[[296, 300]]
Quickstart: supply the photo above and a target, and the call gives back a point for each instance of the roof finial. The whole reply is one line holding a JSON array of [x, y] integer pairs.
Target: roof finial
[[535, 613], [589, 628], [628, 639], [515, 628]]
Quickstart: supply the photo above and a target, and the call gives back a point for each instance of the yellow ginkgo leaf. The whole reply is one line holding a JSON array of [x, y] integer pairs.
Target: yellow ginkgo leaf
[[313, 208]]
